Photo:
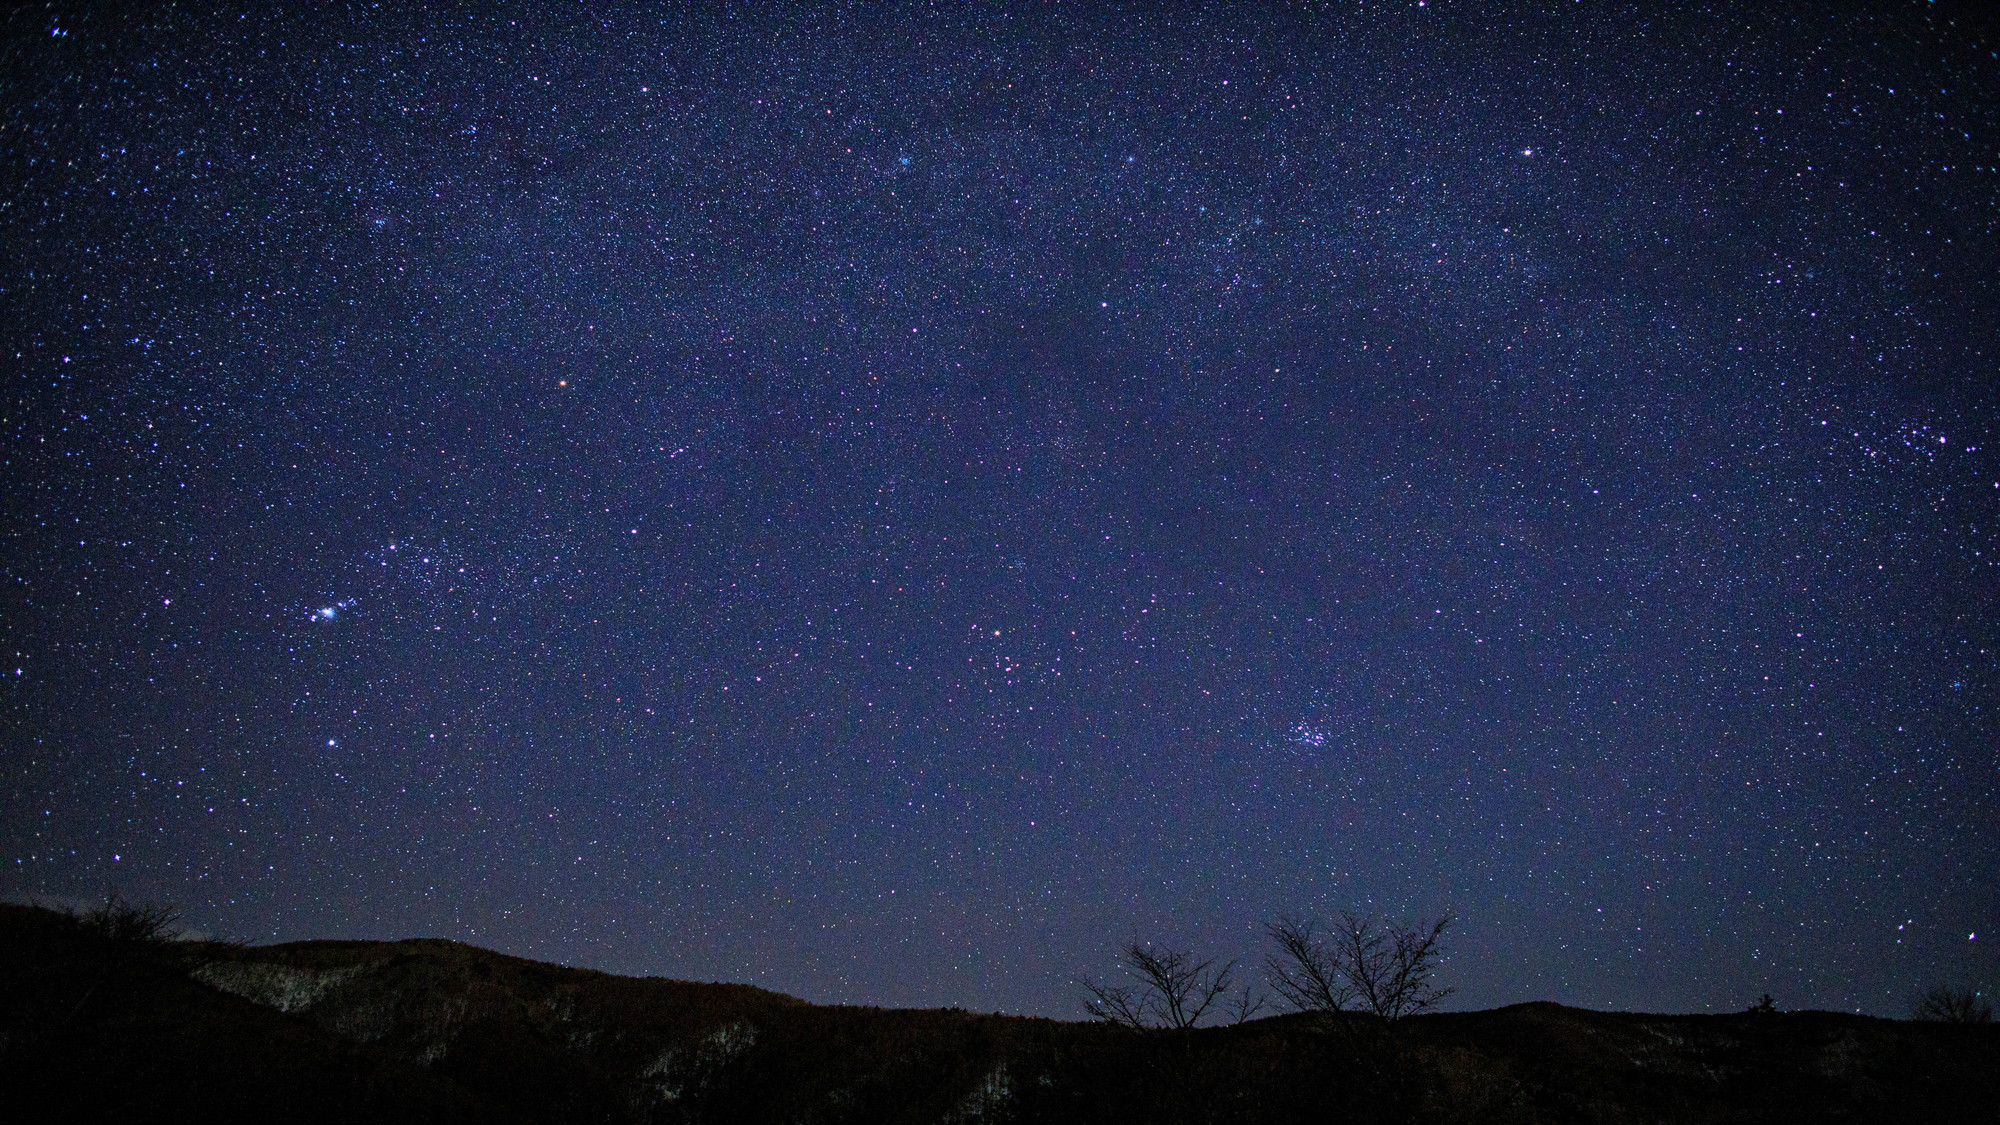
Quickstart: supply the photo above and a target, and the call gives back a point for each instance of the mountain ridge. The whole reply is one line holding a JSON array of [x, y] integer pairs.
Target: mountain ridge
[[435, 1030]]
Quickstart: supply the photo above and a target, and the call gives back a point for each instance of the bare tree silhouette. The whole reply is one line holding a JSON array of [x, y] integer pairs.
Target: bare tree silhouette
[[1361, 964], [1944, 1004], [119, 920], [1167, 988]]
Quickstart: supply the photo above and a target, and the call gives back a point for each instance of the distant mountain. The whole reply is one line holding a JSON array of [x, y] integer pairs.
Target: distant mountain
[[98, 1028]]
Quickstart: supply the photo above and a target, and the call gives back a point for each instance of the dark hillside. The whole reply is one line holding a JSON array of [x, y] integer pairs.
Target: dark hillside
[[1575, 1064], [98, 1029], [439, 1031]]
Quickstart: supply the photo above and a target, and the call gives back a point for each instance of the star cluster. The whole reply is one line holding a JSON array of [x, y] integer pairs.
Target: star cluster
[[887, 502]]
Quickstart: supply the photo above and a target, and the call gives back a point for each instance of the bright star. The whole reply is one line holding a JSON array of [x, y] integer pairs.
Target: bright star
[[331, 612]]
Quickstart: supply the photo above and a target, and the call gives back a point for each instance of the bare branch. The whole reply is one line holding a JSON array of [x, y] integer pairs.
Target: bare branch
[[1944, 1004], [1304, 971], [1169, 989], [1407, 988], [128, 922], [1247, 1004], [1382, 969], [1358, 950], [1113, 1004]]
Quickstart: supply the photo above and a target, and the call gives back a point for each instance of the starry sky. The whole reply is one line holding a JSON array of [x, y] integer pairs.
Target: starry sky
[[889, 502]]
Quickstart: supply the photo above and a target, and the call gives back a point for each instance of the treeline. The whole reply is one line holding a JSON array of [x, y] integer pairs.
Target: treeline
[[1359, 965], [1383, 969]]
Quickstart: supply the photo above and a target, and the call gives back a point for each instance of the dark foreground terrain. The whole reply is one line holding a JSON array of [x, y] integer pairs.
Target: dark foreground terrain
[[94, 1027]]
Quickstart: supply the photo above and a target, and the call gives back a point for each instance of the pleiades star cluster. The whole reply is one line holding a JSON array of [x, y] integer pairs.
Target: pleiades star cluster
[[889, 502]]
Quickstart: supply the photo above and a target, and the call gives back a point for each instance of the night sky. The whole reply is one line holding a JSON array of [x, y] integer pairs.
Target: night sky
[[888, 503]]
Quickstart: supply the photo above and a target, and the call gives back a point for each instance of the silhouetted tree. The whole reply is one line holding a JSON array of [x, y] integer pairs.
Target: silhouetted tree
[[1382, 968], [1168, 988], [128, 923], [1247, 1004], [1944, 1004], [1303, 971], [1765, 1006]]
